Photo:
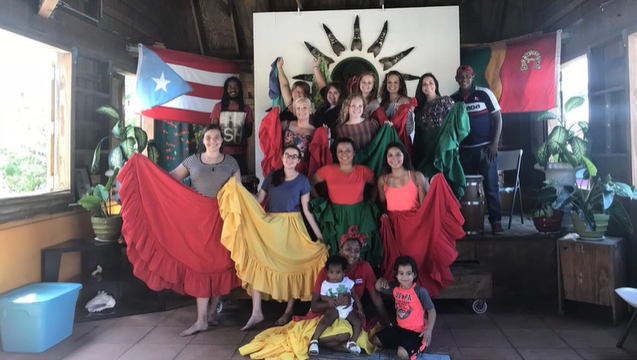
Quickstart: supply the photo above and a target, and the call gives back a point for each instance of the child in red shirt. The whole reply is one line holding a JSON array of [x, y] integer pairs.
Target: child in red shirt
[[413, 303]]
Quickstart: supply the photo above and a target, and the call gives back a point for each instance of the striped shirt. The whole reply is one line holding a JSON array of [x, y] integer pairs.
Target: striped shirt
[[208, 179], [362, 133]]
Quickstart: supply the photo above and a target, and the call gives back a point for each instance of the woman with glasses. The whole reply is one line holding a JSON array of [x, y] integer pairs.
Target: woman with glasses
[[347, 205], [273, 252]]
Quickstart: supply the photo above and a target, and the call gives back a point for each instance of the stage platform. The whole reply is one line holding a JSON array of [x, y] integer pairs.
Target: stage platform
[[522, 261]]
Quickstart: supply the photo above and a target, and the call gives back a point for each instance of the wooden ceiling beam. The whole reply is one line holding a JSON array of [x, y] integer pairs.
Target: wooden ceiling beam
[[233, 23], [224, 7], [560, 14], [47, 7], [197, 31]]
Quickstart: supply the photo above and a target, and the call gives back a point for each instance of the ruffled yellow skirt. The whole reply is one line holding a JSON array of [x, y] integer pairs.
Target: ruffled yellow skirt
[[291, 341], [273, 253]]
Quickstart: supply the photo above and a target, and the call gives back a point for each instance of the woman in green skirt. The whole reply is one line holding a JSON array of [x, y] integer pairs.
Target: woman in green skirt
[[347, 205]]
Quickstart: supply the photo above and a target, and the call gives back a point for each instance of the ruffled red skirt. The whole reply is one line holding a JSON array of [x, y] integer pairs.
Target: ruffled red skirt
[[428, 235], [173, 233]]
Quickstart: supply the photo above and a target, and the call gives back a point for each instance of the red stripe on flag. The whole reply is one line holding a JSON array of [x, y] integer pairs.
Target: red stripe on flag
[[196, 61], [204, 91], [171, 114]]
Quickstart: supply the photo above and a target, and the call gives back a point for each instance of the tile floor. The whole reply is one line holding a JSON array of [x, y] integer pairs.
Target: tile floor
[[503, 333]]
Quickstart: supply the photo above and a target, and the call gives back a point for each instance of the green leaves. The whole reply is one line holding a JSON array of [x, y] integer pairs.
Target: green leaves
[[95, 165], [109, 111], [573, 103], [153, 152], [116, 158], [140, 136], [128, 148], [542, 155]]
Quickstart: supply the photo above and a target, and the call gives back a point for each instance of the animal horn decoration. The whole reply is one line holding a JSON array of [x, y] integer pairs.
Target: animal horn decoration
[[337, 47], [318, 54], [390, 61], [304, 77], [408, 77], [378, 44], [357, 42]]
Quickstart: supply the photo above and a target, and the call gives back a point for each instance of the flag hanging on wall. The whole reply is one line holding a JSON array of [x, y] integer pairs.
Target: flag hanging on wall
[[523, 74], [177, 86]]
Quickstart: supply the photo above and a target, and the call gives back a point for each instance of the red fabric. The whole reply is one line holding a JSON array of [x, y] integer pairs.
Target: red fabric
[[320, 154], [428, 235], [173, 233], [399, 120], [345, 189], [531, 89], [270, 142]]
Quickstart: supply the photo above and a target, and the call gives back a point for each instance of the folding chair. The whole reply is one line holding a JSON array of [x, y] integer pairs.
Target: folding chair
[[510, 161]]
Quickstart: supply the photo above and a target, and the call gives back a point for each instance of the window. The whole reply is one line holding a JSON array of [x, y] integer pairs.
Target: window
[[35, 123], [575, 83]]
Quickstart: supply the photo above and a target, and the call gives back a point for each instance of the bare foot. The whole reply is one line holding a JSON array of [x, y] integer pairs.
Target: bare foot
[[284, 319], [196, 328], [212, 320], [254, 319]]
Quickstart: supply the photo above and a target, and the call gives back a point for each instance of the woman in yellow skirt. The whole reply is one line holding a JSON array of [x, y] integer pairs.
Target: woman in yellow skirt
[[273, 252], [291, 342]]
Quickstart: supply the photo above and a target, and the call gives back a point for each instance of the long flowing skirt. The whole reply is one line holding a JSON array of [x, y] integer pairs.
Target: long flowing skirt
[[428, 235], [173, 233], [291, 341], [273, 253], [335, 220]]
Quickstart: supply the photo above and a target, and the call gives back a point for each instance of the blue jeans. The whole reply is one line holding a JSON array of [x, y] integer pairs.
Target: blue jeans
[[474, 162]]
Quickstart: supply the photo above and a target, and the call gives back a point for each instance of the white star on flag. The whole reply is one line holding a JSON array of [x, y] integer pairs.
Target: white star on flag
[[161, 83]]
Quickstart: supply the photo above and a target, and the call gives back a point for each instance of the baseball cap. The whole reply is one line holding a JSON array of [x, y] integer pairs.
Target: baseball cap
[[466, 68]]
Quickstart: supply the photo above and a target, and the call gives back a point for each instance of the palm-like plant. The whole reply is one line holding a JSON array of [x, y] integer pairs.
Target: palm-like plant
[[565, 144], [131, 139]]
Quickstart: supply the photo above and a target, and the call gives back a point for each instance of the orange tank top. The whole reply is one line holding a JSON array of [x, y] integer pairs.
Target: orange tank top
[[404, 198]]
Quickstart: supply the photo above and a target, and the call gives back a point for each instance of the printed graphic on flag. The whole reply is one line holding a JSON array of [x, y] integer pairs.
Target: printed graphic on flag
[[157, 83], [204, 76]]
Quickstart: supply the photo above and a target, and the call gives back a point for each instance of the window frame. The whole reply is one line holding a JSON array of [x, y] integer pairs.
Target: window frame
[[61, 161]]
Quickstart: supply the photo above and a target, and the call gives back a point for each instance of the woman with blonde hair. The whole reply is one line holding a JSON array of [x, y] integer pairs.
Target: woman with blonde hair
[[351, 123]]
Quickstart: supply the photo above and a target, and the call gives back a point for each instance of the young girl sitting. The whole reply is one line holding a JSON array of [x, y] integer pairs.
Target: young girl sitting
[[331, 288], [413, 303]]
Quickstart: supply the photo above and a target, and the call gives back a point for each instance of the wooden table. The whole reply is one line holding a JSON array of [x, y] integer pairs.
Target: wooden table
[[590, 271]]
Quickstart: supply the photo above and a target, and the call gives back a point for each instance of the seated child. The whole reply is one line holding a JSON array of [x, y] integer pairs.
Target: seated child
[[331, 288], [413, 332]]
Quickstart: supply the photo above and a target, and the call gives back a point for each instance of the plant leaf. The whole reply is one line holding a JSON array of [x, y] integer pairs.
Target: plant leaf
[[618, 212], [109, 111], [111, 179], [118, 130], [128, 147], [153, 152], [579, 148], [623, 190], [95, 165], [116, 158], [569, 156], [140, 137], [584, 126], [573, 103], [591, 169], [92, 204], [547, 115]]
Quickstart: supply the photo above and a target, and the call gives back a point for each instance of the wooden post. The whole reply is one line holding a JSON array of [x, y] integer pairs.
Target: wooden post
[[47, 7]]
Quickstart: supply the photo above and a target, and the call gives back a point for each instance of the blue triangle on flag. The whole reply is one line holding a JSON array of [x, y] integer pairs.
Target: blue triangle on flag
[[157, 83]]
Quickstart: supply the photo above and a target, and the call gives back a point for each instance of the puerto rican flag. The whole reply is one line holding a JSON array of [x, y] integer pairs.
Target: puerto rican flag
[[177, 86]]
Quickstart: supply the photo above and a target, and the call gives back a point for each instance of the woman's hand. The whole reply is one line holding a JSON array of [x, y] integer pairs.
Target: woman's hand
[[384, 216], [279, 62], [382, 283], [387, 122], [315, 62]]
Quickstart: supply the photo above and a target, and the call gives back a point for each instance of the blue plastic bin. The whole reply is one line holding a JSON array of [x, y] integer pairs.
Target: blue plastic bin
[[36, 317]]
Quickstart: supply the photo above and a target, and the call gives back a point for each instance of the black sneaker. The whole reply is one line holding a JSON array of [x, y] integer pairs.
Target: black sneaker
[[496, 228]]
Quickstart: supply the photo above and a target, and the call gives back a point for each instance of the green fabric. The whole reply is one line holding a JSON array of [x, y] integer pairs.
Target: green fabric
[[334, 221], [439, 149], [278, 101], [373, 155], [176, 141], [317, 99], [478, 59]]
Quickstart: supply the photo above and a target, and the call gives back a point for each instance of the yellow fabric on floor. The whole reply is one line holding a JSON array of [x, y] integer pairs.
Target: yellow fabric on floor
[[273, 253], [291, 341]]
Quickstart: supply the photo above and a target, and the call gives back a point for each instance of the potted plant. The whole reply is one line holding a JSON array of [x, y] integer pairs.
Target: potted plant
[[548, 208], [565, 149], [107, 224], [595, 205], [131, 139]]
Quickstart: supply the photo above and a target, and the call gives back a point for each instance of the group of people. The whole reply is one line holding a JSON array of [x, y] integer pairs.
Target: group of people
[[321, 236]]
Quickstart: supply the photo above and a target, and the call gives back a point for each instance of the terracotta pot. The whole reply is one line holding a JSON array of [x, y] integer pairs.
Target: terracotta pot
[[549, 223], [601, 225], [107, 229]]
